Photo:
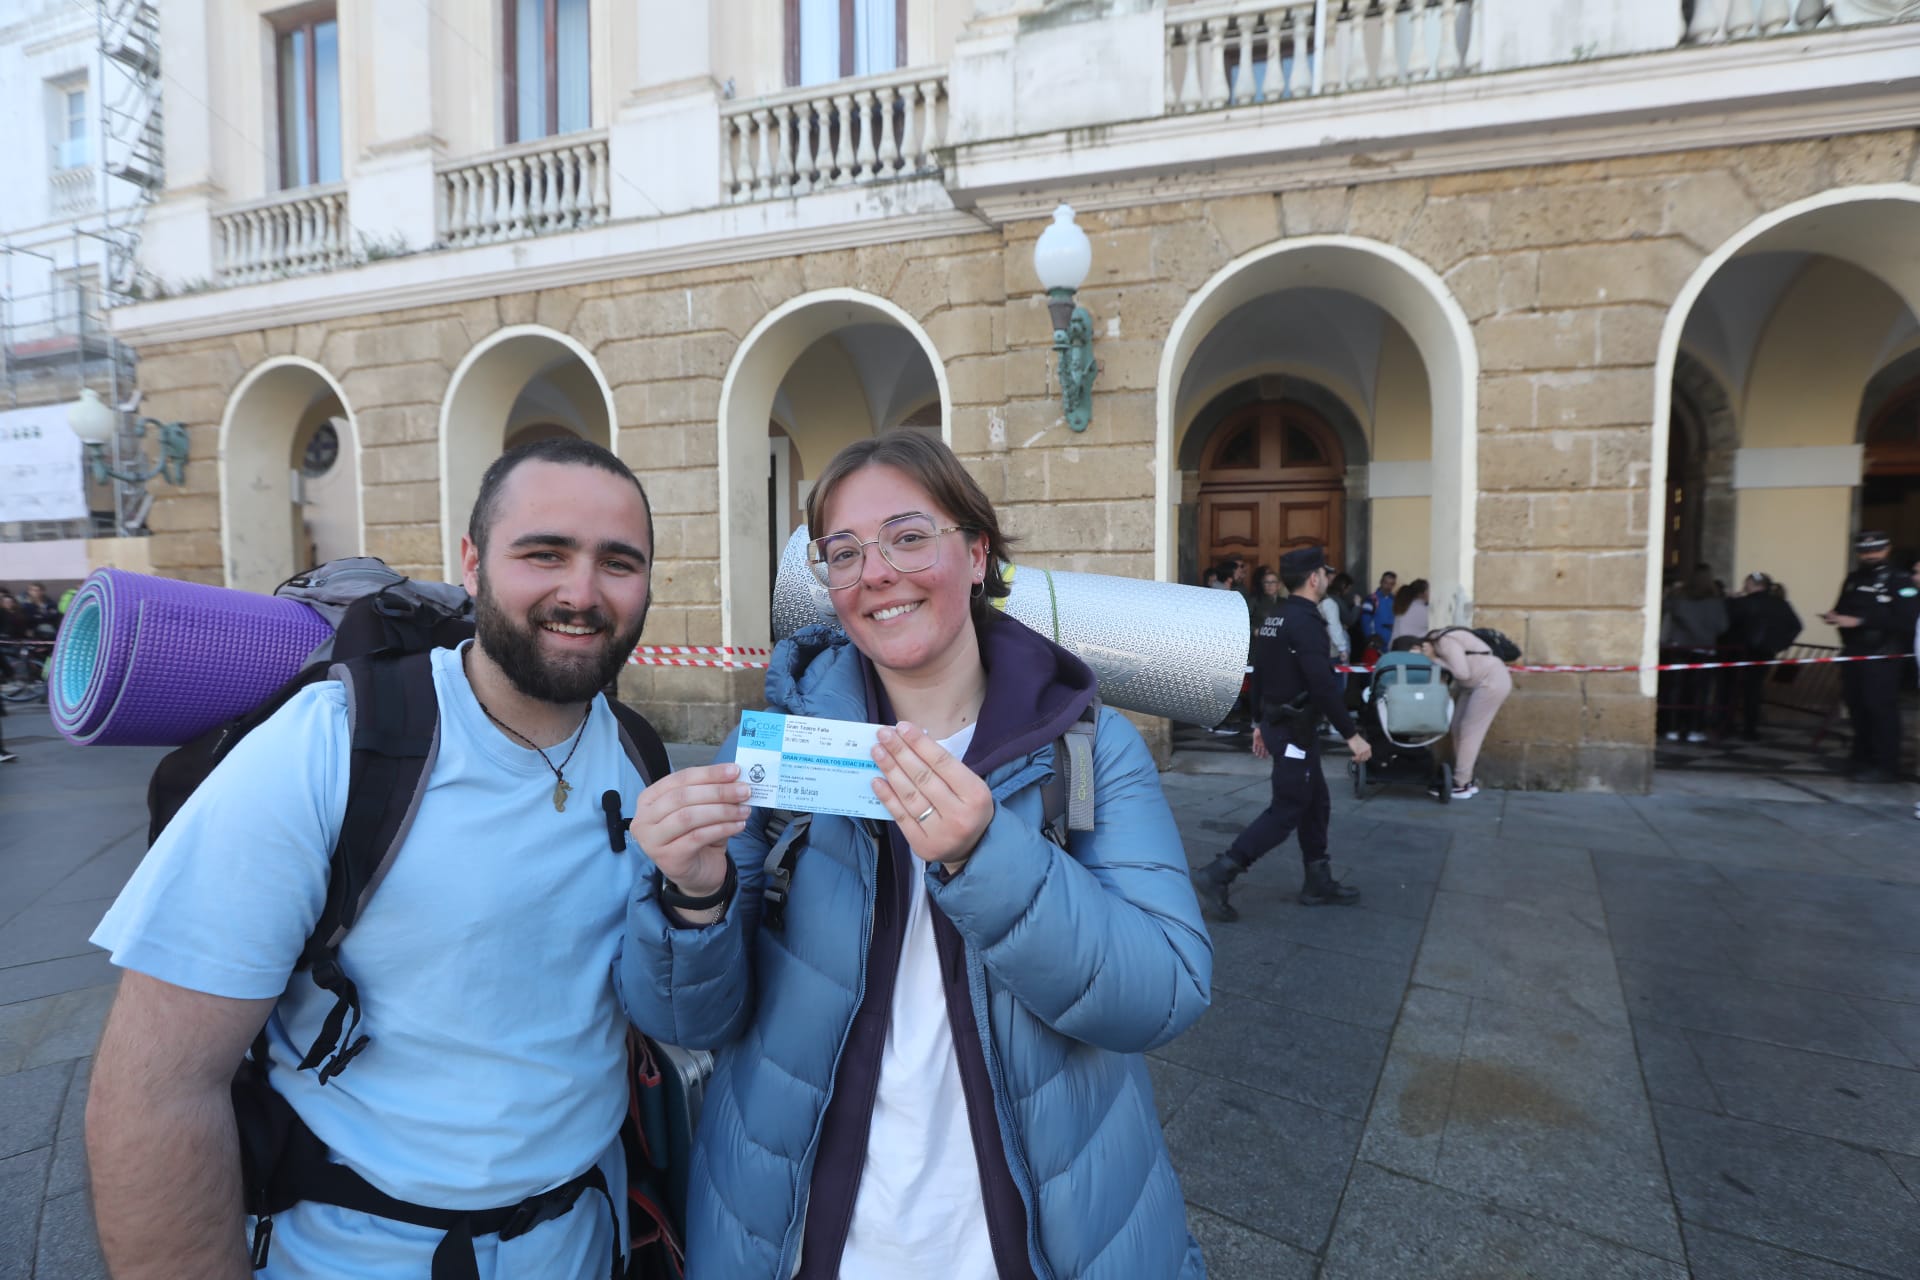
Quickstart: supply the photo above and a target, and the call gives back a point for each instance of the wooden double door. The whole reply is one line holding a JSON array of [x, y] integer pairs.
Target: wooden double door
[[1272, 478]]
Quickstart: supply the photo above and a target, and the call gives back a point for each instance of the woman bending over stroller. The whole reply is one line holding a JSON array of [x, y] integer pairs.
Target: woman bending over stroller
[[1484, 683]]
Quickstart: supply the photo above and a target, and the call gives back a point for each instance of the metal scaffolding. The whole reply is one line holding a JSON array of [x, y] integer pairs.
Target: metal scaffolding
[[55, 295]]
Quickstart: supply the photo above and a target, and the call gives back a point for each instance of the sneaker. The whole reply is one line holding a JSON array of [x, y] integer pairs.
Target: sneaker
[[1673, 735], [1916, 811], [1467, 792], [1696, 736], [7, 757]]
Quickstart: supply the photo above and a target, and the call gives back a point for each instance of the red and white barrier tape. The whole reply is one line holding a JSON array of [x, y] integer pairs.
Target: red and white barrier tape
[[1564, 667], [696, 655]]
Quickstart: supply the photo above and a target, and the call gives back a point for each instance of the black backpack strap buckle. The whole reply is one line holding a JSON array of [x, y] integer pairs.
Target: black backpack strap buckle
[[787, 830], [342, 1021]]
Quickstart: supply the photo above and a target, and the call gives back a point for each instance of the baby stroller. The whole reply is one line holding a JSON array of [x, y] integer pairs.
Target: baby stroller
[[1405, 709]]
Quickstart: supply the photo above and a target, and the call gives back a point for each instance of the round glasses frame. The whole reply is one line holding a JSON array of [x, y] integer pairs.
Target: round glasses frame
[[817, 560]]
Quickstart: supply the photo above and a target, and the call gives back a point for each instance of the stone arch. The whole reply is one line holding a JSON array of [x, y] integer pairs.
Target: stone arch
[[259, 519], [1416, 299], [1872, 228], [486, 399], [747, 398]]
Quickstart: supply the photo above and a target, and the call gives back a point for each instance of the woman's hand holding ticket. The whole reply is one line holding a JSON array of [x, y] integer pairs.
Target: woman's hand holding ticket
[[942, 806], [684, 821]]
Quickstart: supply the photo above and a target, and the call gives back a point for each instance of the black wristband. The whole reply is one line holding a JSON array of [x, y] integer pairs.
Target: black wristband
[[671, 896]]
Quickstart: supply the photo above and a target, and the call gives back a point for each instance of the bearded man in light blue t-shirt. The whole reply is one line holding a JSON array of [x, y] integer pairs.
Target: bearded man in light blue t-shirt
[[485, 964]]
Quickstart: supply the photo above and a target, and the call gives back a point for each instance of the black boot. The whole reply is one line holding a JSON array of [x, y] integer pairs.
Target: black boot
[[1210, 885], [1322, 890]]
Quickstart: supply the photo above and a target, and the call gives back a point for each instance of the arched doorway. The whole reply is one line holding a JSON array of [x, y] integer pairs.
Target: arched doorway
[[1271, 478], [1390, 354], [520, 384], [1803, 317], [818, 372], [290, 493]]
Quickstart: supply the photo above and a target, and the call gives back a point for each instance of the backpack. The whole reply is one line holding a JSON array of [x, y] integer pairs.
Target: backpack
[[1066, 805], [385, 627], [1497, 642]]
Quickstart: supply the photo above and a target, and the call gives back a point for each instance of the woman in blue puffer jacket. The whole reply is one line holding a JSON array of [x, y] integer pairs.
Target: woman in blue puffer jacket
[[931, 1063]]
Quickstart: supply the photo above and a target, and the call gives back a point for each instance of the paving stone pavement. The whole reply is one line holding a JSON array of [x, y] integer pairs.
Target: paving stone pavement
[[1562, 1035]]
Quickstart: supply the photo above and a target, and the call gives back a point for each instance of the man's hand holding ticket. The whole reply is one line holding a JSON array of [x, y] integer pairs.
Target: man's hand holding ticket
[[809, 765]]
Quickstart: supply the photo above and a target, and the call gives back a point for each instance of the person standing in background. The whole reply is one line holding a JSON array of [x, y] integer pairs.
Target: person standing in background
[[1336, 624], [1409, 611], [1869, 626], [1270, 595], [1760, 626], [1376, 613], [1693, 623]]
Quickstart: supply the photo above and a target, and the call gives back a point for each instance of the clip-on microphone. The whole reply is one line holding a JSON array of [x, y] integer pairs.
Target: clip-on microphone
[[616, 825]]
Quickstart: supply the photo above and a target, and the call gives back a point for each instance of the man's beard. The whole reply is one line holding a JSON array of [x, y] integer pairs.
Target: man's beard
[[515, 649]]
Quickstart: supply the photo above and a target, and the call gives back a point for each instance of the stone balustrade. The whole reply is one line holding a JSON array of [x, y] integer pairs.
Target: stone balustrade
[[73, 191], [849, 132], [1228, 53], [1721, 21], [529, 189], [288, 234]]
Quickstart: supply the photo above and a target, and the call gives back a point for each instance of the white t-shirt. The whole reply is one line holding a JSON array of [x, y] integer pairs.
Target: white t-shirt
[[484, 965], [919, 1210]]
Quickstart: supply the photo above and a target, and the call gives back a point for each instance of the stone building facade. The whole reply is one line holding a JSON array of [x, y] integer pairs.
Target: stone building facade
[[1504, 430]]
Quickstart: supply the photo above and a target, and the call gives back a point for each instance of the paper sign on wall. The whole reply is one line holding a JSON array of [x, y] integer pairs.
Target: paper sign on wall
[[42, 476]]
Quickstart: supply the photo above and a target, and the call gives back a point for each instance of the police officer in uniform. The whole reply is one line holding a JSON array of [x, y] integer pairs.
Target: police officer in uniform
[[1867, 615], [1294, 685]]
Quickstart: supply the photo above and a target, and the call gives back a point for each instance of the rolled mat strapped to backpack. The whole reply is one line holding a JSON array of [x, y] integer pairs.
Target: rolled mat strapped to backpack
[[146, 661], [1159, 648]]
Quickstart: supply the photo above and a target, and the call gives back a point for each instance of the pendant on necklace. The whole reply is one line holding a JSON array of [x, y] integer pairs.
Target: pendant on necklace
[[561, 790]]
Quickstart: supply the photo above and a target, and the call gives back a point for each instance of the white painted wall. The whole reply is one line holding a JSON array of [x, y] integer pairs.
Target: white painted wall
[[1535, 33]]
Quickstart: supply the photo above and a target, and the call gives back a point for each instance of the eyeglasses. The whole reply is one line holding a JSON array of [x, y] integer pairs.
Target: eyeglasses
[[910, 543]]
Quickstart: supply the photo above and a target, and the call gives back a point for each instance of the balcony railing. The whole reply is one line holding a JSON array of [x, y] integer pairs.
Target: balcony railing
[[530, 189], [75, 191], [288, 234], [1719, 21], [850, 132], [1230, 53]]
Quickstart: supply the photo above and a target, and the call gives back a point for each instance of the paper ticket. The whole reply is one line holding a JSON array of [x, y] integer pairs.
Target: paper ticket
[[809, 765]]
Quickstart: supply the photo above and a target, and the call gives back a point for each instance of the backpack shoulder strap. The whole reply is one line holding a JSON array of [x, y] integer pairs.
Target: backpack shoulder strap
[[1066, 799], [788, 832], [394, 719], [641, 741]]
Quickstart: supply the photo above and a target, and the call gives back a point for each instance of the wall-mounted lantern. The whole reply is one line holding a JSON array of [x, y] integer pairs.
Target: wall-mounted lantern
[[1062, 257]]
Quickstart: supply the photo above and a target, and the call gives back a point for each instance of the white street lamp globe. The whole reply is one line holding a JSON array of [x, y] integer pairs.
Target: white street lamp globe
[[1062, 255], [92, 419]]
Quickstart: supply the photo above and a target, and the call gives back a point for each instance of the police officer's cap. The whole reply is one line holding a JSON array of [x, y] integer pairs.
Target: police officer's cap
[[1304, 560], [1871, 540]]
